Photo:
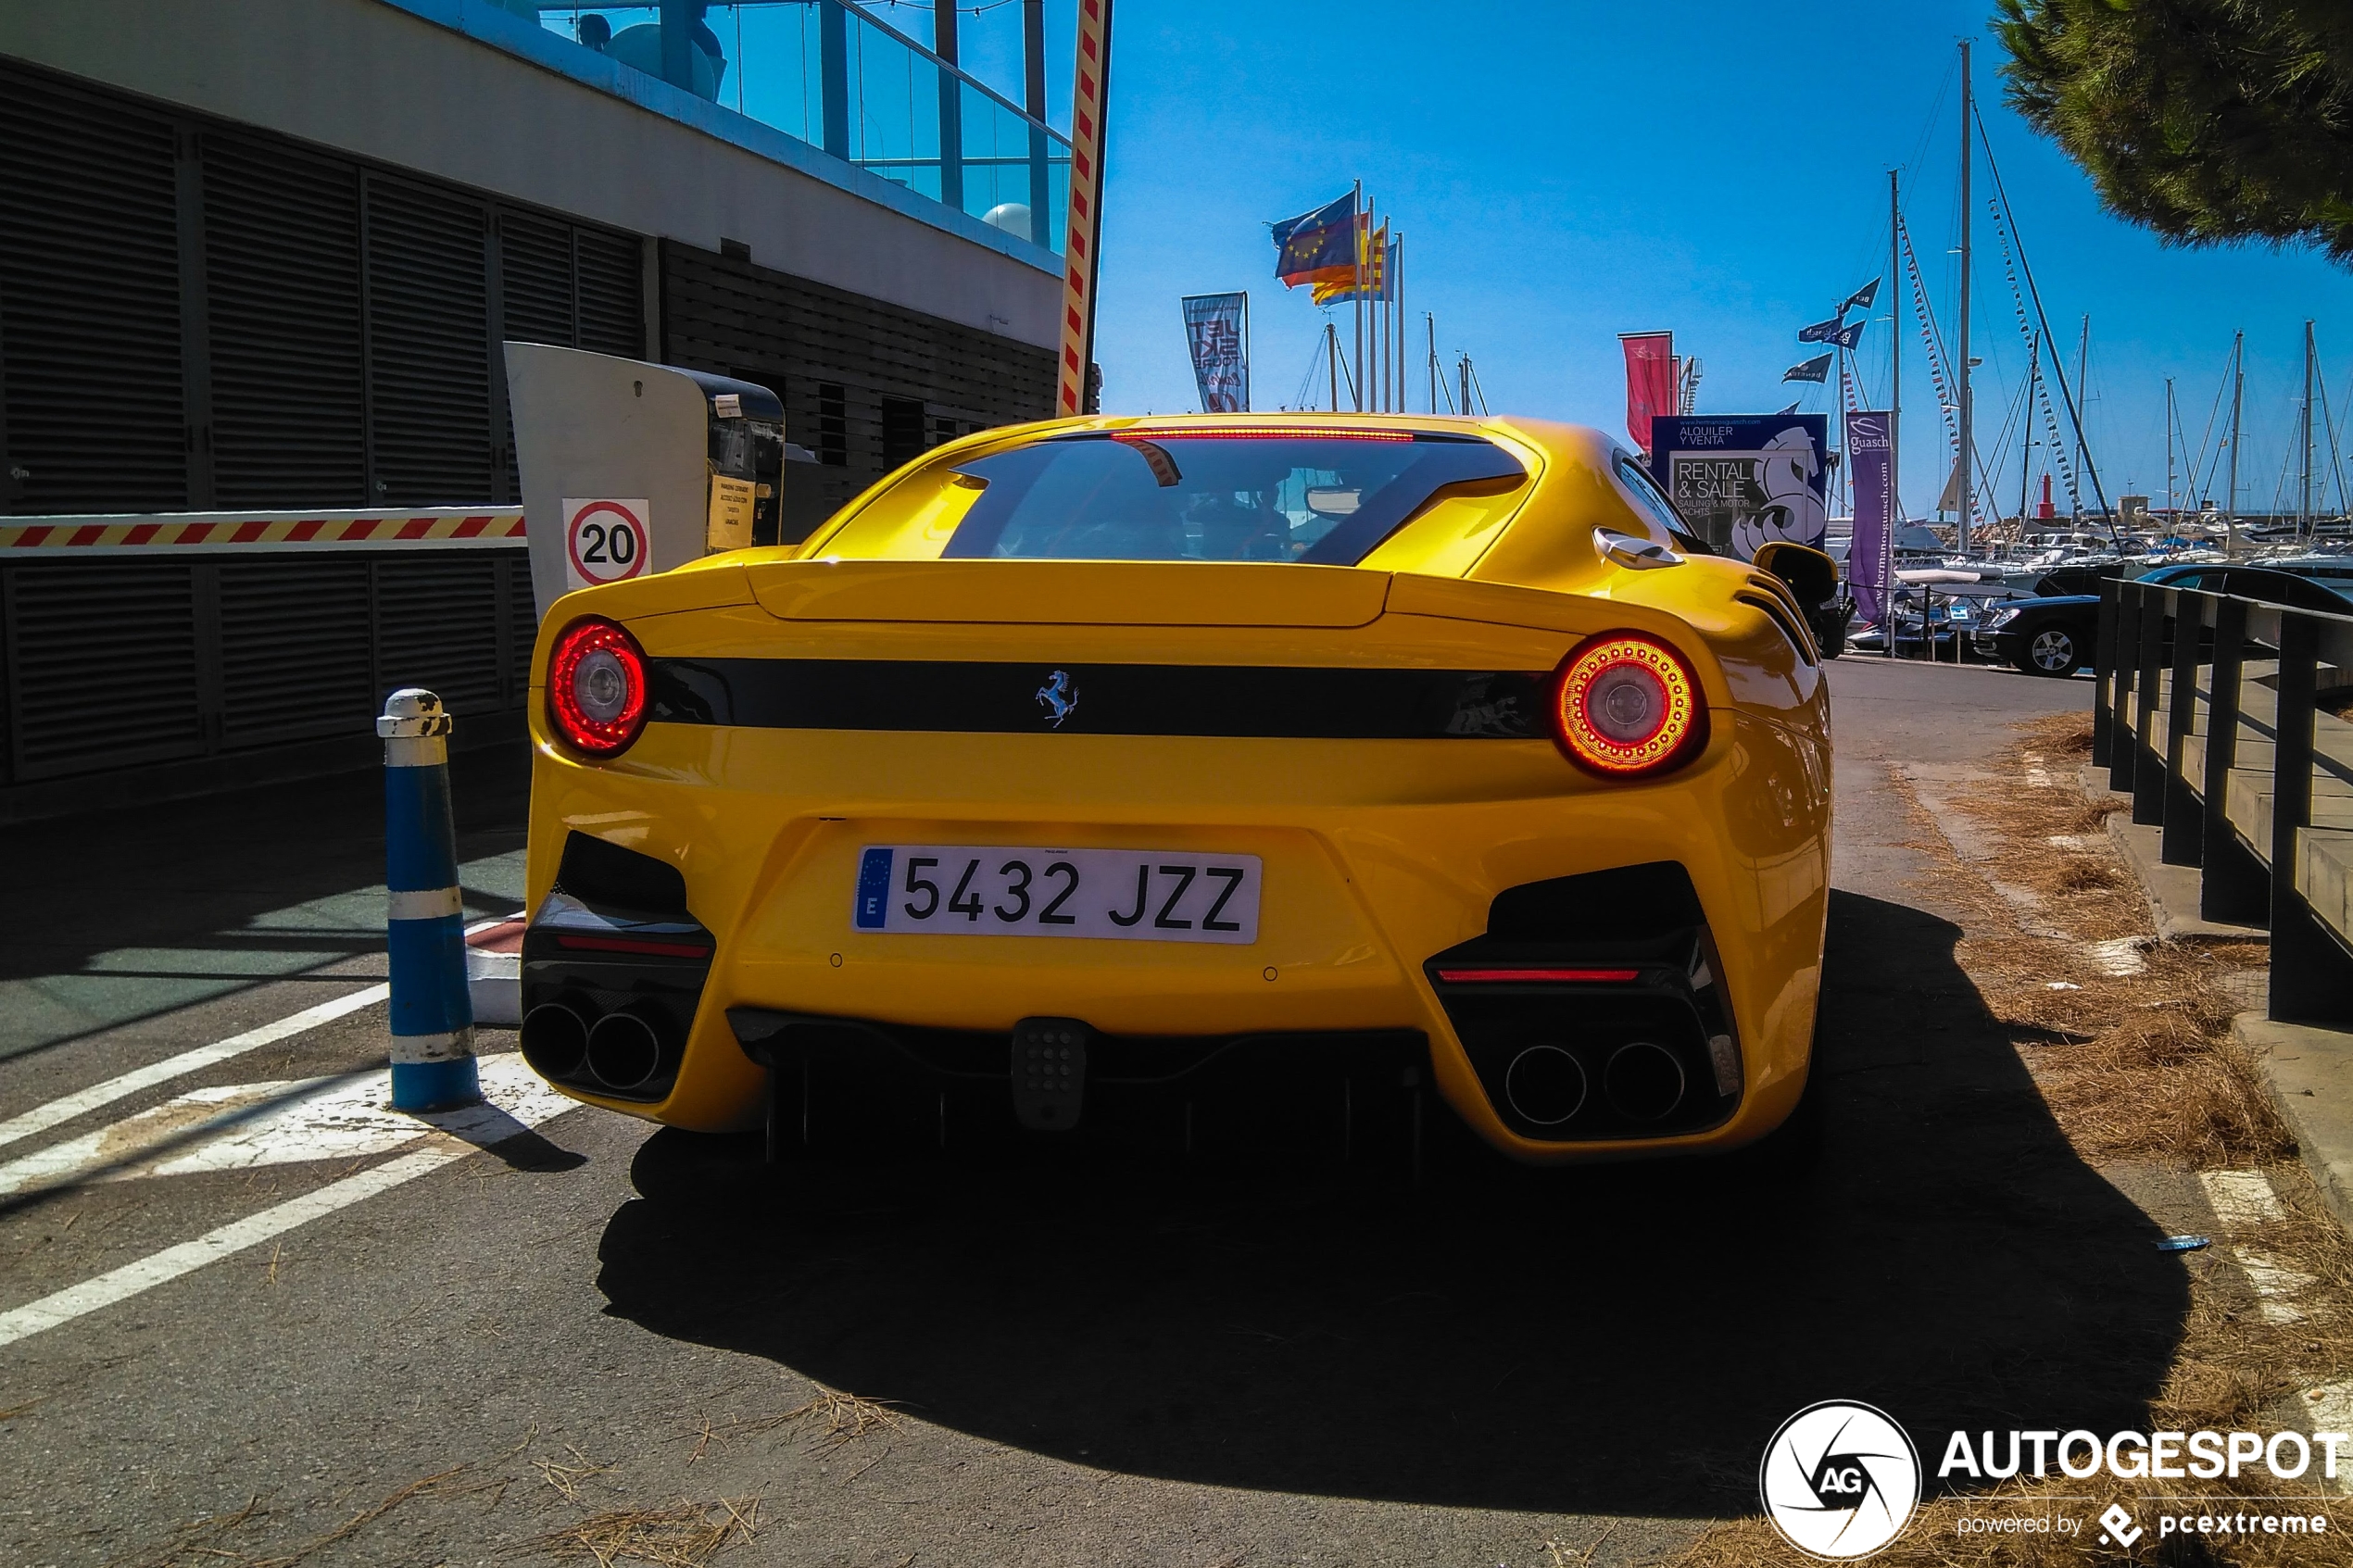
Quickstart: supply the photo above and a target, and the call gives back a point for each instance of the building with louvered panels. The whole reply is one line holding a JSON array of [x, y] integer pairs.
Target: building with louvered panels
[[256, 263]]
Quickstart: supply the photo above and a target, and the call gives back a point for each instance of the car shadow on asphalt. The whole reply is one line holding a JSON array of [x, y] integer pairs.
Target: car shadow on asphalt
[[1612, 1340]]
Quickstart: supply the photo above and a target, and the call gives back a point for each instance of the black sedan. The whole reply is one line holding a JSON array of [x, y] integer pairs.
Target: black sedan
[[2054, 636]]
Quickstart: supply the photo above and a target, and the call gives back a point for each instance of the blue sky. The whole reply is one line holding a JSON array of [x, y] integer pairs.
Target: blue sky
[[1567, 171]]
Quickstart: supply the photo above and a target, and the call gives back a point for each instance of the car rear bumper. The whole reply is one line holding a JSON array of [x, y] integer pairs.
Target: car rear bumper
[[1378, 859]]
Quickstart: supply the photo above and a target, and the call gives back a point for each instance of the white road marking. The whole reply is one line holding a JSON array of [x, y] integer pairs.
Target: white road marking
[[2242, 1200], [2331, 1408], [159, 1268], [462, 1128], [2276, 1283], [2119, 958], [58, 1112], [339, 1118]]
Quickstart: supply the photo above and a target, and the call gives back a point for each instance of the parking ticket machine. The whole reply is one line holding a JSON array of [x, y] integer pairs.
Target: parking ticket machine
[[630, 467]]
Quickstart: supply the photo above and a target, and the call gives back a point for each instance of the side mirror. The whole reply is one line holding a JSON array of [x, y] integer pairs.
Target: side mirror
[[1810, 574]]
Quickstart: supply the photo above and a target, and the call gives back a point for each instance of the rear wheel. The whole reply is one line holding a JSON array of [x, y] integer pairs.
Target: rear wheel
[[2051, 652]]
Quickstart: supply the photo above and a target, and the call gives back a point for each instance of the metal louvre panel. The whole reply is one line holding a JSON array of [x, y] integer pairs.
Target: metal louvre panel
[[522, 626], [718, 312], [90, 304], [281, 255], [428, 345], [437, 620], [103, 658], [534, 297], [295, 649], [612, 301], [534, 279]]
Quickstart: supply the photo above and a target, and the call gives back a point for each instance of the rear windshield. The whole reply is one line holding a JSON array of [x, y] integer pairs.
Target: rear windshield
[[1169, 496]]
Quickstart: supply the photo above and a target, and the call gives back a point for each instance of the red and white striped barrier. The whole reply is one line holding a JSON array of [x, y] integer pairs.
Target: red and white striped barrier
[[180, 532]]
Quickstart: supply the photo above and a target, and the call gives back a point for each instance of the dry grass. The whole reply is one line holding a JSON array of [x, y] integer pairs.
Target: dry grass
[[686, 1535], [2135, 1066]]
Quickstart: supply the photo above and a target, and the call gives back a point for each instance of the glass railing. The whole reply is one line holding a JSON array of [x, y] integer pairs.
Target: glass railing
[[833, 76]]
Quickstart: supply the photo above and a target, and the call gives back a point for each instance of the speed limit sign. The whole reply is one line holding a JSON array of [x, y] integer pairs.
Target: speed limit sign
[[605, 541]]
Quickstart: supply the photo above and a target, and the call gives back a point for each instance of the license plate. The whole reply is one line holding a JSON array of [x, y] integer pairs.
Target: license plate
[[1009, 890]]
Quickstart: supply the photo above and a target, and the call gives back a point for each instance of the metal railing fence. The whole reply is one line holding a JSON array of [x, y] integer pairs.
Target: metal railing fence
[[2144, 659]]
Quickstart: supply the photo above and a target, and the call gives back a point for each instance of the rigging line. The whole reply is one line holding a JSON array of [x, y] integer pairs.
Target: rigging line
[[2034, 347], [2205, 441], [2099, 491], [2328, 427]]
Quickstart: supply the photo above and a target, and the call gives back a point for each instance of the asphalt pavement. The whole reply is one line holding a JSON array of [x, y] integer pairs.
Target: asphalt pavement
[[244, 1313]]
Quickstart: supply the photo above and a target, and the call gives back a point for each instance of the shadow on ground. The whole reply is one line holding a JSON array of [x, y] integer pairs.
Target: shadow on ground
[[1621, 1340], [155, 876]]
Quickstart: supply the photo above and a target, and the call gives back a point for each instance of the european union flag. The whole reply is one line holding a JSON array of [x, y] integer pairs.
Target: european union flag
[[1316, 242]]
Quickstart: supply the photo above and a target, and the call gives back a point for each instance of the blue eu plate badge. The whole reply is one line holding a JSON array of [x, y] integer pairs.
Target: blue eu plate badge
[[874, 889]]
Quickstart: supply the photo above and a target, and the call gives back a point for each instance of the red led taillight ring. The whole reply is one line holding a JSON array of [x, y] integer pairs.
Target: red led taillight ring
[[1659, 719], [596, 689]]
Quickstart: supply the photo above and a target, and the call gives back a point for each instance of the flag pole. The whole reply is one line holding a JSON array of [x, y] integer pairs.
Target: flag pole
[[1360, 236], [1396, 320]]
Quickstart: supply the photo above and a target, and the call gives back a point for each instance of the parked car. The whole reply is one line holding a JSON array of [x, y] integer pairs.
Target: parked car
[[2054, 636]]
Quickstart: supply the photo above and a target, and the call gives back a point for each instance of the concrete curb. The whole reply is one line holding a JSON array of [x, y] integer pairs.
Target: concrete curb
[[2172, 891], [2306, 1073], [2309, 1074]]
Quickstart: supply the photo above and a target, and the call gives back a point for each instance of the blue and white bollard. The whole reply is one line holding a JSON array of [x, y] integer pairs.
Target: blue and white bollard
[[432, 1022]]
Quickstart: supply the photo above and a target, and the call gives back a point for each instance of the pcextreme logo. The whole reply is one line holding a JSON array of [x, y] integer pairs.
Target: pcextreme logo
[[1840, 1480]]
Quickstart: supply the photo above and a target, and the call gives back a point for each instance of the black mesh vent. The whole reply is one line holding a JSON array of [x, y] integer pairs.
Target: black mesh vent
[[429, 370], [295, 649], [105, 663], [438, 621], [613, 293], [89, 306], [281, 260]]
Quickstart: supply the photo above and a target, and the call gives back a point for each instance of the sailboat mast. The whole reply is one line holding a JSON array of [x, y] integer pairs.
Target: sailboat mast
[[2304, 447], [1969, 471], [2238, 396], [1894, 341], [2083, 391], [1430, 319], [2170, 515], [1331, 359], [2026, 452]]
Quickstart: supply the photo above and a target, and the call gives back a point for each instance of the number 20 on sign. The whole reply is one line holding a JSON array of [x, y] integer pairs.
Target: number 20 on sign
[[605, 541]]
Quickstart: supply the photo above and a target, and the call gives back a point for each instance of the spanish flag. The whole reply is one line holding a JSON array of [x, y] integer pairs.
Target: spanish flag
[[1373, 252]]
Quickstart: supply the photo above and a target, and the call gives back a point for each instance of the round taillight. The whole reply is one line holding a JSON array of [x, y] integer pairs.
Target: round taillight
[[596, 689], [1625, 706]]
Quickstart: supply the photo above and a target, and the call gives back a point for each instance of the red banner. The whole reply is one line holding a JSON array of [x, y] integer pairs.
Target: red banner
[[1650, 382]]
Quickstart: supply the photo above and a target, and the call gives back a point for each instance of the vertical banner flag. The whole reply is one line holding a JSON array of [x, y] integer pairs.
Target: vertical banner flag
[[1870, 451], [1089, 89], [1650, 382], [1745, 480], [1217, 330]]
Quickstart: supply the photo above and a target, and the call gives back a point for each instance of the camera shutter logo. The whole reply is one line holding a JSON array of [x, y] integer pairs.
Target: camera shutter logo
[[1840, 1480]]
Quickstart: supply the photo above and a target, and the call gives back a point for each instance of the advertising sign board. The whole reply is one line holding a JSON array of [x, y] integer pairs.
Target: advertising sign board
[[1745, 480]]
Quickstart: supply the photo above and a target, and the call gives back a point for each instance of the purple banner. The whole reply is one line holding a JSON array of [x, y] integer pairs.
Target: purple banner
[[1869, 454]]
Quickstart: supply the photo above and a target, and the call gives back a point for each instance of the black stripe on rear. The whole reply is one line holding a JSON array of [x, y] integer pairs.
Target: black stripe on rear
[[1111, 700]]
